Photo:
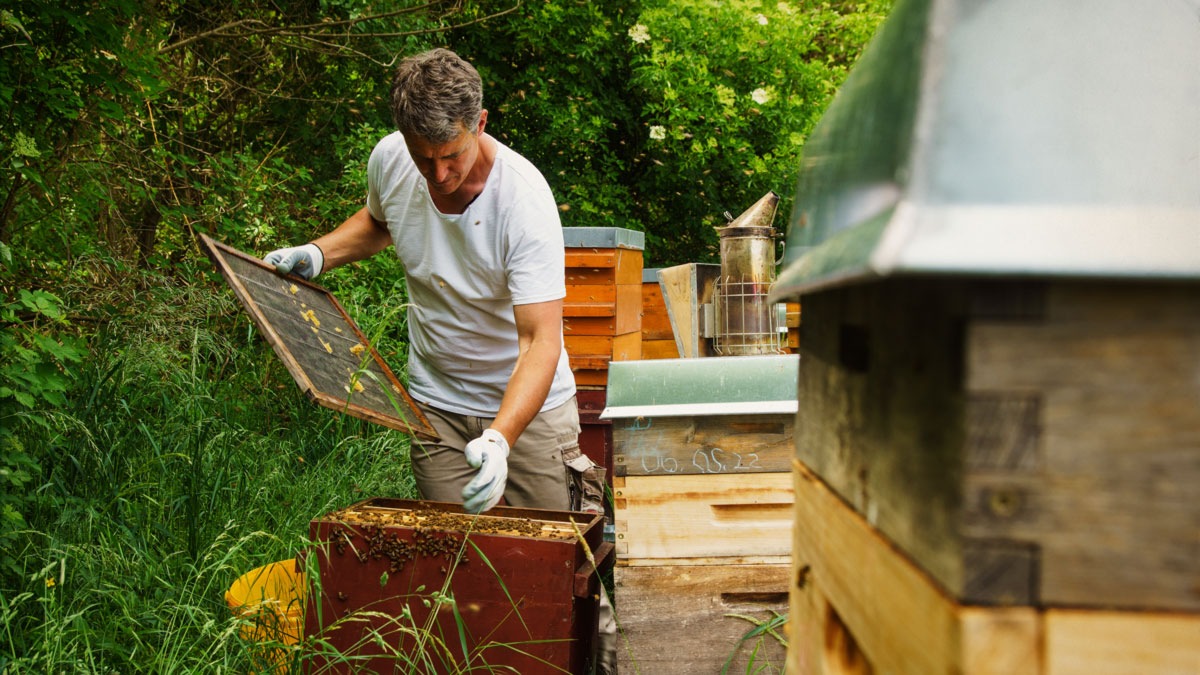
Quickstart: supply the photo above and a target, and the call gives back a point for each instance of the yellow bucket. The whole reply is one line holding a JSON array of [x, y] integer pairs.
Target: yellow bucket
[[271, 598]]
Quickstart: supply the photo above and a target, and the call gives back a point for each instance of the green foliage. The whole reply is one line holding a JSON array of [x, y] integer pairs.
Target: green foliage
[[556, 82], [661, 115], [34, 381], [729, 92], [186, 458]]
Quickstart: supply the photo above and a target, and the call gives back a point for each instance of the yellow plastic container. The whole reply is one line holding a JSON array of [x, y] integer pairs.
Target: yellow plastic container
[[271, 598]]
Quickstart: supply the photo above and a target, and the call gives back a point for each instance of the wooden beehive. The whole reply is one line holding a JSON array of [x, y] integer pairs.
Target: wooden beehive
[[702, 508], [511, 589], [999, 476], [702, 612], [658, 340], [998, 441], [602, 310]]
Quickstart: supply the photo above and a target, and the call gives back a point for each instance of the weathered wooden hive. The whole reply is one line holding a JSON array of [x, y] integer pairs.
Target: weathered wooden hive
[[702, 492], [996, 242]]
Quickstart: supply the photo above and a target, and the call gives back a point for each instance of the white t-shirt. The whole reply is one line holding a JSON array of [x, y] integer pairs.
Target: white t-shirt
[[466, 271]]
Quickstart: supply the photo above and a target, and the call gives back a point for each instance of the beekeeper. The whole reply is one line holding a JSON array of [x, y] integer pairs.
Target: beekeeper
[[477, 230]]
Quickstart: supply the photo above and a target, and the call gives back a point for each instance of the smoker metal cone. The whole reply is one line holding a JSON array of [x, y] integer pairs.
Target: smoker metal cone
[[760, 214]]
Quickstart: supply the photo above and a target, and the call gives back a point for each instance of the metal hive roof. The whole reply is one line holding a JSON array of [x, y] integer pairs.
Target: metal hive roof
[[1008, 137]]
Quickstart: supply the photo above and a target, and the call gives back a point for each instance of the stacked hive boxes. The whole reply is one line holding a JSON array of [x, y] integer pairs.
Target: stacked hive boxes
[[703, 500], [602, 312], [658, 340], [601, 321], [1024, 503]]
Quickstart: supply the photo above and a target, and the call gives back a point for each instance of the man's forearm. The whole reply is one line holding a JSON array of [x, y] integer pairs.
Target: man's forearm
[[527, 389], [539, 334], [359, 237]]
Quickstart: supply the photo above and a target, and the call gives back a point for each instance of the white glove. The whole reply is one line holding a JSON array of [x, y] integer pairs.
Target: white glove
[[489, 454], [304, 261]]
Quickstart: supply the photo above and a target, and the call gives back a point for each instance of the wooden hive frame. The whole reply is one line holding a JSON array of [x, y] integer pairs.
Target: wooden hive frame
[[329, 358]]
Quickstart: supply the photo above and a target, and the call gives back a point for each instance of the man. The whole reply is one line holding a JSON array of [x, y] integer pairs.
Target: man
[[477, 229]]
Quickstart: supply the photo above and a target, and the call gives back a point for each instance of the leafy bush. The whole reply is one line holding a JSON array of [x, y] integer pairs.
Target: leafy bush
[[729, 92], [661, 115], [36, 354]]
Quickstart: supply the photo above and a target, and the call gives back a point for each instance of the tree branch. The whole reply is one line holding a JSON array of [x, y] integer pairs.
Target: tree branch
[[323, 30]]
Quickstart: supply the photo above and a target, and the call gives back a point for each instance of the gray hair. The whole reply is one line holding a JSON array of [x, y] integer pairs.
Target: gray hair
[[436, 95]]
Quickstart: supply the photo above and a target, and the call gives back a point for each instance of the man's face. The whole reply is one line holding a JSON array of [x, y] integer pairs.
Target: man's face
[[446, 166]]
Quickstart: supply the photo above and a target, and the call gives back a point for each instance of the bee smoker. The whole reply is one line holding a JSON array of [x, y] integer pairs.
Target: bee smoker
[[743, 322]]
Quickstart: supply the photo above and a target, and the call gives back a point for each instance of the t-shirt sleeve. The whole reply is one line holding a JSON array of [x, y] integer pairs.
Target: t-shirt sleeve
[[374, 206], [536, 255]]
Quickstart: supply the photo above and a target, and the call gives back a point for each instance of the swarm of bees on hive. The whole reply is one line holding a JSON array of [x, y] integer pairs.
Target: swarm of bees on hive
[[435, 533]]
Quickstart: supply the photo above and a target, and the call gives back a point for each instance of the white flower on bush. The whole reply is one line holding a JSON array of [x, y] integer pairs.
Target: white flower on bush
[[760, 96], [658, 132], [761, 19], [784, 8], [639, 33]]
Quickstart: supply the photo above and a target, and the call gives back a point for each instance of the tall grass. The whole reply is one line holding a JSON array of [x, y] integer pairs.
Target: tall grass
[[186, 458]]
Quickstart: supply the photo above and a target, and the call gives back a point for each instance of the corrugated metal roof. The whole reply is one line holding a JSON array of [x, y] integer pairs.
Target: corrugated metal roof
[[1008, 137]]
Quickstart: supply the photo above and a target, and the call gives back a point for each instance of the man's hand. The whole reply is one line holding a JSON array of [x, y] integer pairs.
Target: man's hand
[[304, 261], [489, 454]]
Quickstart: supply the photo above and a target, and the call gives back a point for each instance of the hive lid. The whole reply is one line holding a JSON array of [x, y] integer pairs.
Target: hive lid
[[1008, 137], [729, 385], [603, 237]]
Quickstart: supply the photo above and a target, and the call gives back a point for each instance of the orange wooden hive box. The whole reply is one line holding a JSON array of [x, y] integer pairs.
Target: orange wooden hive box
[[603, 308]]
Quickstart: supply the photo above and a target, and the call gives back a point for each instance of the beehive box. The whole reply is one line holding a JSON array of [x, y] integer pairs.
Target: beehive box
[[859, 605], [692, 618], [602, 310], [702, 508], [693, 518], [658, 340], [515, 588], [1024, 442], [1023, 453]]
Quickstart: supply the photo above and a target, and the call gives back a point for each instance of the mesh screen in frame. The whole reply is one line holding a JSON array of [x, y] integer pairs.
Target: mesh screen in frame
[[325, 352]]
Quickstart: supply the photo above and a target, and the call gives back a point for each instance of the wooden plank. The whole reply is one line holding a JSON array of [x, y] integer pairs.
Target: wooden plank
[[329, 358], [589, 296], [623, 316], [596, 351], [690, 619], [659, 349], [703, 444], [656, 324], [685, 289], [625, 322], [600, 300], [589, 345], [859, 605], [693, 516], [792, 314], [1097, 642], [1089, 445], [603, 266], [590, 377]]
